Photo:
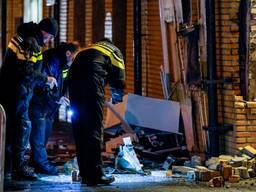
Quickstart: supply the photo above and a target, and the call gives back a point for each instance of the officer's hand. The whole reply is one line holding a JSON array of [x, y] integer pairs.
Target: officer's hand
[[64, 101], [51, 81], [116, 95], [116, 99]]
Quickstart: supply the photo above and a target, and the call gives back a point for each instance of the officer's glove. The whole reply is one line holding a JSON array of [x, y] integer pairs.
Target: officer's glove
[[64, 101], [116, 95], [51, 82], [116, 99]]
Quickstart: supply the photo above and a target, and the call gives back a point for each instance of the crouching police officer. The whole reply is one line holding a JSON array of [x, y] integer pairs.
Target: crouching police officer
[[93, 68], [45, 104]]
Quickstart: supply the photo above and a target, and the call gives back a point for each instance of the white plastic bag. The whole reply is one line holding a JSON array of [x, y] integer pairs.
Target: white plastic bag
[[127, 158]]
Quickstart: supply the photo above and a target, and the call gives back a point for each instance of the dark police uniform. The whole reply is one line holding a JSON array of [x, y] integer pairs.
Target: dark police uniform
[[20, 72], [93, 68], [44, 106]]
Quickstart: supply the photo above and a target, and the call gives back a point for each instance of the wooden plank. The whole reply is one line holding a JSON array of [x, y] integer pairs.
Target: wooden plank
[[125, 126], [186, 112], [111, 119], [164, 39], [202, 105], [174, 57], [179, 148]]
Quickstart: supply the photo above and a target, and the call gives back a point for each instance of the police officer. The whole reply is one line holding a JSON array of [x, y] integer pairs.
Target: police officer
[[20, 72], [92, 69], [45, 104]]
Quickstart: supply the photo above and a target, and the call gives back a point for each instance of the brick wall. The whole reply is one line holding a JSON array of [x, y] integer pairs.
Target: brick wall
[[233, 110], [245, 112], [227, 50], [244, 123], [252, 50], [70, 23], [89, 30], [129, 48], [227, 61], [14, 16]]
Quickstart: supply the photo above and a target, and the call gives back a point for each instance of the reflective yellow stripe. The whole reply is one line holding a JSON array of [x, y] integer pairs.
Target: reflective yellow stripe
[[15, 49], [110, 50], [115, 60], [13, 45], [16, 44], [64, 73], [35, 59], [39, 57]]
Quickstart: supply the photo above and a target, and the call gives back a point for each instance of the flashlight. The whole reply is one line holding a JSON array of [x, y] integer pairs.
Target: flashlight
[[70, 112]]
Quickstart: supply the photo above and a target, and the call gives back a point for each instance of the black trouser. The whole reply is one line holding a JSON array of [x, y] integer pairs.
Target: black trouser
[[9, 138], [21, 130], [87, 121]]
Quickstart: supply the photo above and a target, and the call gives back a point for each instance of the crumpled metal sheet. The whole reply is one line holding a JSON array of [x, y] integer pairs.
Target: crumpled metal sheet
[[153, 113]]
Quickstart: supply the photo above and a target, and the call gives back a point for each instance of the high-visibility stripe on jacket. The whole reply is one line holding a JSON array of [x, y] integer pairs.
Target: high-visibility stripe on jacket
[[65, 73], [20, 53], [116, 60]]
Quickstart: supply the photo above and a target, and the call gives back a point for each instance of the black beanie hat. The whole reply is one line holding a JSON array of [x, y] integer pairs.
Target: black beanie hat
[[49, 25]]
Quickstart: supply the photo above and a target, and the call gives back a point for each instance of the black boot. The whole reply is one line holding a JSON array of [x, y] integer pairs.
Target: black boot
[[104, 180], [46, 168], [97, 177], [23, 172], [20, 169]]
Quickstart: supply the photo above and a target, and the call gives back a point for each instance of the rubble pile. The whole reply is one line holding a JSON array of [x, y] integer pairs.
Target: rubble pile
[[218, 170], [135, 143]]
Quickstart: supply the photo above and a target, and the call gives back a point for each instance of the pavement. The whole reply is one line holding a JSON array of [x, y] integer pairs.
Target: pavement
[[157, 181]]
